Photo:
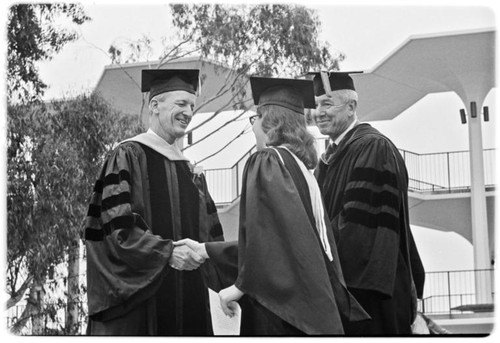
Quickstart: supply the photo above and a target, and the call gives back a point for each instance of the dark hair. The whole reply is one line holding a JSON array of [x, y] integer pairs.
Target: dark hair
[[288, 128]]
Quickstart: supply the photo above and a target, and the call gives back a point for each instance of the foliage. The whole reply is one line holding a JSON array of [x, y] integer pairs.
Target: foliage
[[54, 154], [274, 40], [34, 34], [131, 52], [269, 39]]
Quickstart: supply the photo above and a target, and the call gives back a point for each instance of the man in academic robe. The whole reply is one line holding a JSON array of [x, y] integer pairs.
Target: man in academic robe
[[364, 183], [146, 197]]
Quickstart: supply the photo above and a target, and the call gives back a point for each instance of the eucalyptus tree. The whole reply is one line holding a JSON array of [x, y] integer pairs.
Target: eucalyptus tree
[[37, 32], [280, 40]]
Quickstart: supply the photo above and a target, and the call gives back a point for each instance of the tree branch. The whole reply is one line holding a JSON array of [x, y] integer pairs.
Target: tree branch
[[218, 129], [18, 295], [226, 88], [176, 48], [225, 146], [215, 114]]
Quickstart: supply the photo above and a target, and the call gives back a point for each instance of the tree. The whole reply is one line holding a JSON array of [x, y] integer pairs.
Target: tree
[[133, 51], [34, 35], [54, 155], [267, 40], [36, 32]]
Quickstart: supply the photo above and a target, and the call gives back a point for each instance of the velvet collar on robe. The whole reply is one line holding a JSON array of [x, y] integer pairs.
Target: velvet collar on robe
[[158, 144]]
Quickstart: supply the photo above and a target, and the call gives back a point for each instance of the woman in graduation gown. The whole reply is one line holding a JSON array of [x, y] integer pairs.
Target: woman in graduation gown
[[289, 278]]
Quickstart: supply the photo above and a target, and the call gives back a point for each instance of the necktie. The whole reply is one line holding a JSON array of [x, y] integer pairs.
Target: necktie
[[329, 153]]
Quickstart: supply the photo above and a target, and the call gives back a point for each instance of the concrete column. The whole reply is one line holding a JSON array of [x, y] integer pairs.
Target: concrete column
[[481, 245]]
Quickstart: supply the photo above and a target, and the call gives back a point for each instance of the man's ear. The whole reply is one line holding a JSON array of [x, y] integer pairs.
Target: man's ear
[[352, 105], [153, 106]]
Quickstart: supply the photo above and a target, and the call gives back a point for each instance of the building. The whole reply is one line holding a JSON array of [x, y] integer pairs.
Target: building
[[449, 191]]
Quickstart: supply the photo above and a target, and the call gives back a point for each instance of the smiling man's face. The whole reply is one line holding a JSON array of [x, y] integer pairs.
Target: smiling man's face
[[333, 115], [173, 112]]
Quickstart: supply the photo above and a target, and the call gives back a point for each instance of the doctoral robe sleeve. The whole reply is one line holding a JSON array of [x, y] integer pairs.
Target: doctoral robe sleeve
[[125, 261], [221, 269], [417, 267], [223, 263], [369, 221]]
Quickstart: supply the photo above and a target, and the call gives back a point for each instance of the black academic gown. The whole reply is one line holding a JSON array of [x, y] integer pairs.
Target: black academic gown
[[290, 287], [365, 192], [141, 202]]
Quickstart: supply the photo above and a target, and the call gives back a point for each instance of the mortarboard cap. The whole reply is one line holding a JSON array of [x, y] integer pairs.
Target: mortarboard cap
[[293, 94], [337, 81], [158, 81]]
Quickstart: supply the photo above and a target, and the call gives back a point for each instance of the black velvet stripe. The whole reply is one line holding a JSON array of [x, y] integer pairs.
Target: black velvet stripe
[[189, 201], [121, 222], [94, 235], [216, 230], [370, 220], [374, 199], [93, 224], [115, 179], [94, 211], [115, 200], [375, 176], [161, 213], [211, 208], [98, 186]]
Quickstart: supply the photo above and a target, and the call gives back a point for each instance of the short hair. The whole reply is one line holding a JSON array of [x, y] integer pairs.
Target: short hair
[[345, 94], [146, 118], [158, 97], [285, 127]]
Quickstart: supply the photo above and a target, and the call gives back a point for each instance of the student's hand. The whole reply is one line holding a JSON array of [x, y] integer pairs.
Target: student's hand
[[197, 247], [228, 298], [184, 258]]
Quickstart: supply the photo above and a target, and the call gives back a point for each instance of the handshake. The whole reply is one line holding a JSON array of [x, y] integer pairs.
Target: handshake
[[187, 255]]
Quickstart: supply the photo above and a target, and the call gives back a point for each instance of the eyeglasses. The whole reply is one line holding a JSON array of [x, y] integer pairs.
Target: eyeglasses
[[254, 118]]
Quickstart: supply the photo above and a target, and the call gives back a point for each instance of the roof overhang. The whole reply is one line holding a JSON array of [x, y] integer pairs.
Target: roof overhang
[[461, 62], [120, 85]]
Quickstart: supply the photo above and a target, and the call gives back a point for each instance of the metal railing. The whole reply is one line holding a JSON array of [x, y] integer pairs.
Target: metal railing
[[446, 172], [225, 183], [448, 293], [453, 293]]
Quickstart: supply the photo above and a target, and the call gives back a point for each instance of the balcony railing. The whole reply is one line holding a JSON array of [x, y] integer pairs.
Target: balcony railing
[[446, 172], [453, 293], [449, 293], [225, 183]]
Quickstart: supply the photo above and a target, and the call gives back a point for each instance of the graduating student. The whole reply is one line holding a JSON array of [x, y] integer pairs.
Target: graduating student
[[364, 183], [146, 197], [289, 279]]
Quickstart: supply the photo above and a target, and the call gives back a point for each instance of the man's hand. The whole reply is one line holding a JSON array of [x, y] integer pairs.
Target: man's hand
[[184, 258], [198, 248], [228, 298]]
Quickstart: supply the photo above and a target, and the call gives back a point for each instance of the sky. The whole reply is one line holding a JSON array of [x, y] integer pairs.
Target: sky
[[366, 32]]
